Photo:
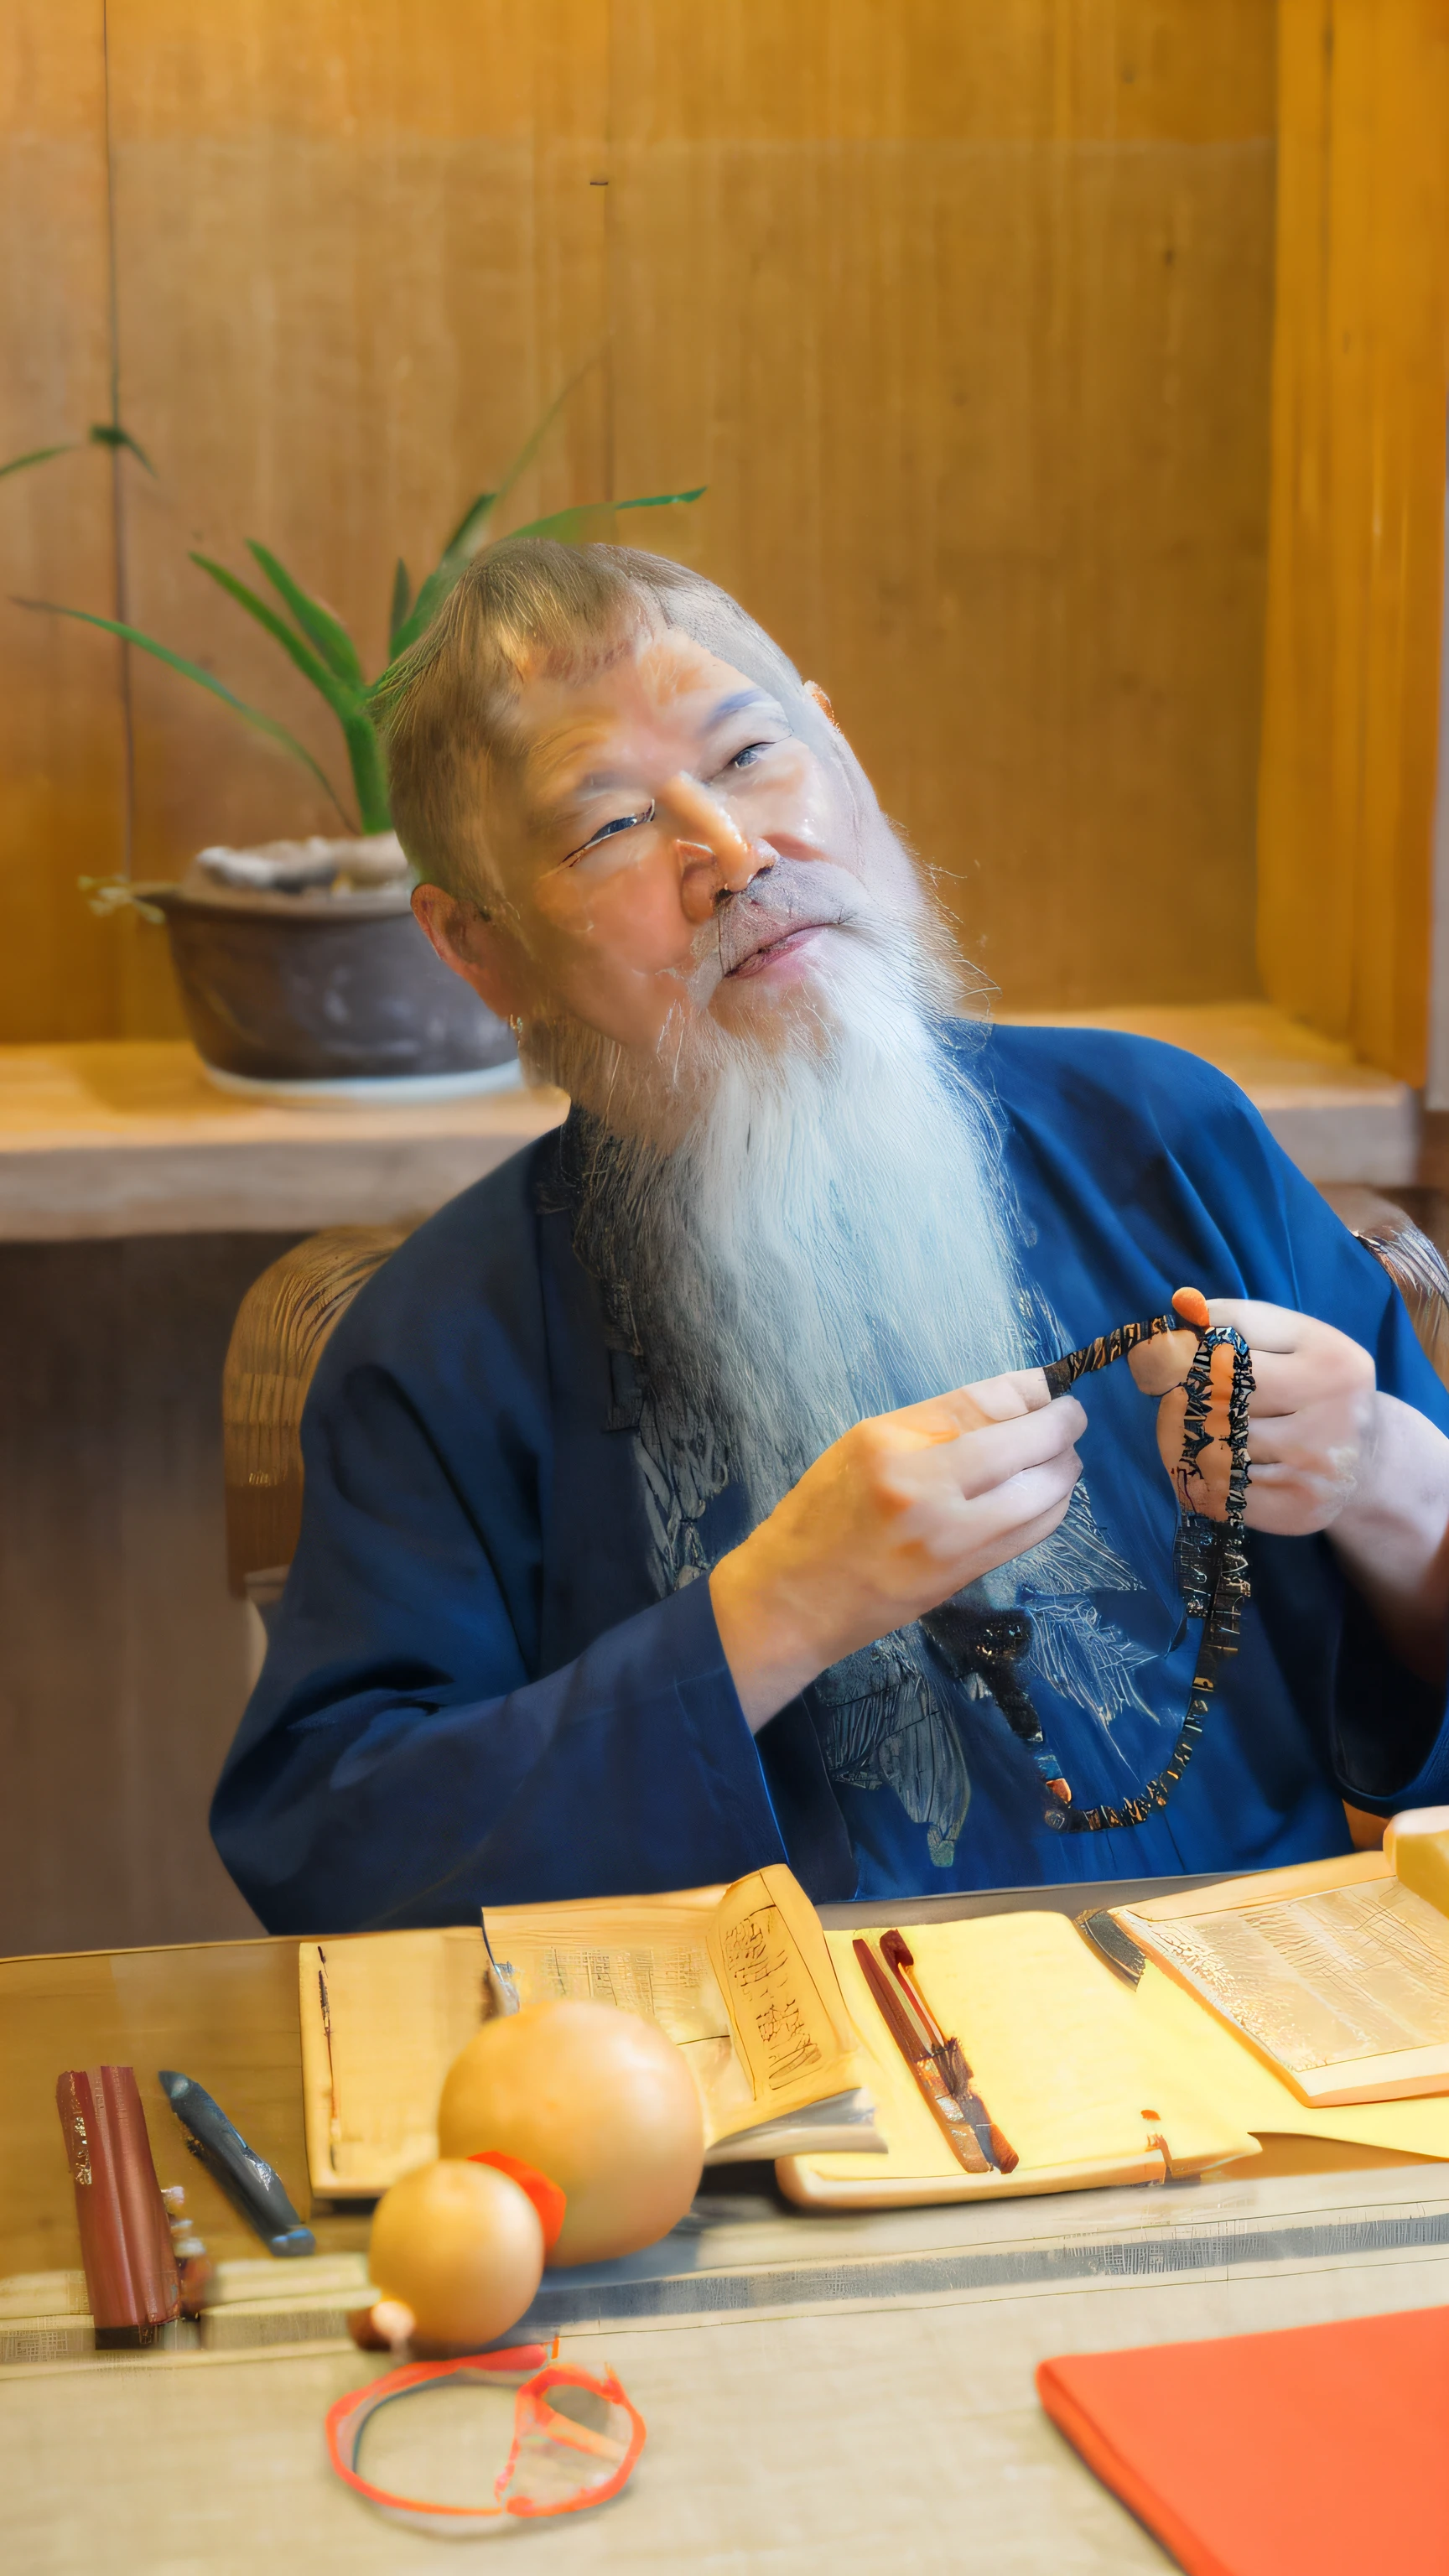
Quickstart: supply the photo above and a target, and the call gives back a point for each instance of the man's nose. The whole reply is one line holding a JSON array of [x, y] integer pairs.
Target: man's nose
[[715, 857]]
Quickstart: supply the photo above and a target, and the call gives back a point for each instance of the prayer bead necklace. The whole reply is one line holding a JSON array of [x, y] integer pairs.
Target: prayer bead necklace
[[1210, 1557]]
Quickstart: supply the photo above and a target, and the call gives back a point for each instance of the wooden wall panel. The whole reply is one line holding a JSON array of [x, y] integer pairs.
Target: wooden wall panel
[[1361, 379], [961, 307], [965, 315], [124, 1669], [359, 256], [60, 728]]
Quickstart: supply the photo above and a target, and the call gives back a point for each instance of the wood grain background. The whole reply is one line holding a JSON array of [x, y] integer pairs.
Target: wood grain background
[[124, 1669], [962, 308], [1361, 382]]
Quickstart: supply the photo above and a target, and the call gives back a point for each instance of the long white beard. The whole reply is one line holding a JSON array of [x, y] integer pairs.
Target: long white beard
[[830, 1238]]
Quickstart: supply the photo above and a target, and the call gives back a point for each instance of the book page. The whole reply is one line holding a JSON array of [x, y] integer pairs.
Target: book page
[[662, 1957], [792, 2033], [383, 2015], [1069, 2060], [1302, 1878], [1185, 2035], [1067, 2068], [1322, 1979], [647, 1955]]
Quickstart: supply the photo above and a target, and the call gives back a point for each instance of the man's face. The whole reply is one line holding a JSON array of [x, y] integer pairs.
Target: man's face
[[664, 846]]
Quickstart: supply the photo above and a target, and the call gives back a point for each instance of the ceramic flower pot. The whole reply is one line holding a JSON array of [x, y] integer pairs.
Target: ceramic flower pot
[[303, 974]]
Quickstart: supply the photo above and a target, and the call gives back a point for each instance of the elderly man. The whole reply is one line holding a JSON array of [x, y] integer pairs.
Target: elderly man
[[666, 1493]]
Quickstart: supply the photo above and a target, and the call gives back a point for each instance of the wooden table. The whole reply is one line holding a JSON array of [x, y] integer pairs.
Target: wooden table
[[822, 2394], [224, 2012]]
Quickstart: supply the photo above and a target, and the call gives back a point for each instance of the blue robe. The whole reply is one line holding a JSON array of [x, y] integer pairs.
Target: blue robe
[[473, 1694]]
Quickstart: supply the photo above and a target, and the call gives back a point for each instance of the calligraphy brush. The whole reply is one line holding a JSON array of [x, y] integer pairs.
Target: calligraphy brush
[[940, 2100], [950, 2059], [334, 2123]]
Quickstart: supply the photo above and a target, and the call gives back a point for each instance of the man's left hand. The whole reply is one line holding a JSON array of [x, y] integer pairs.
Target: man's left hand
[[1326, 1451], [1313, 1413]]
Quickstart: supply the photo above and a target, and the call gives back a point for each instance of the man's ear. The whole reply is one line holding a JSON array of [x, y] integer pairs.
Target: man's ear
[[815, 691], [481, 951]]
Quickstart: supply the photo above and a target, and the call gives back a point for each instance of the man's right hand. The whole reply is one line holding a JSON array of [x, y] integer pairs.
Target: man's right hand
[[892, 1520]]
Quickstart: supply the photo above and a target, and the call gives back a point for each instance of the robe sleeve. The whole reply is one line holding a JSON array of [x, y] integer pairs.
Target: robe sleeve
[[397, 1764]]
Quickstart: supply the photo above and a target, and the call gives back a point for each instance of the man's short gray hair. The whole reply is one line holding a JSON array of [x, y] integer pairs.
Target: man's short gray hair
[[530, 605]]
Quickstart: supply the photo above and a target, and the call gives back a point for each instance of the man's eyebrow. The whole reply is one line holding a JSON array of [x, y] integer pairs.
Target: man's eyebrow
[[739, 699], [557, 807], [552, 758]]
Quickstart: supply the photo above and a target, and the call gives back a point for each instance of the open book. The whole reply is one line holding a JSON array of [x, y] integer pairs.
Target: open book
[[1072, 2075], [1081, 2087], [383, 2015], [1337, 1974], [1089, 2078], [740, 1977]]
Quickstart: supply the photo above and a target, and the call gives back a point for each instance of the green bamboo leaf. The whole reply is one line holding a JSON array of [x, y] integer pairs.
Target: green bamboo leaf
[[341, 700], [467, 537], [469, 527], [109, 433], [469, 533], [536, 437], [402, 593], [36, 456], [369, 778], [567, 527], [462, 545], [326, 631], [565, 524], [204, 680], [434, 590], [429, 600]]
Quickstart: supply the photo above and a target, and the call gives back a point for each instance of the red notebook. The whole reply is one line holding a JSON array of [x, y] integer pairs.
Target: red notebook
[[1322, 2451]]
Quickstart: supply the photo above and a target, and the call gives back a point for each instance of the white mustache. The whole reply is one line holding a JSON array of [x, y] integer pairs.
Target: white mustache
[[789, 895]]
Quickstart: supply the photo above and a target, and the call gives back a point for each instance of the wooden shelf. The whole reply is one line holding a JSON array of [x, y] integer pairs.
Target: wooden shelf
[[1340, 1120], [127, 1137], [124, 1137]]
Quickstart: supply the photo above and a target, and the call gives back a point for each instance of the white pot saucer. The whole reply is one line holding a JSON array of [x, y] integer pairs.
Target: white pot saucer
[[373, 1091]]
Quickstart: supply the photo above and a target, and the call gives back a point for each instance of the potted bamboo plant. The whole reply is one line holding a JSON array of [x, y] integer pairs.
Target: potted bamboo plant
[[301, 969]]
